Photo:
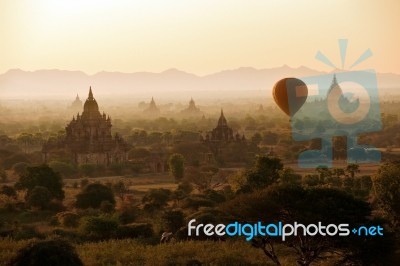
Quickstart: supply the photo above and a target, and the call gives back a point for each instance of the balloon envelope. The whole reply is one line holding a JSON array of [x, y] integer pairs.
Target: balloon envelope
[[290, 94]]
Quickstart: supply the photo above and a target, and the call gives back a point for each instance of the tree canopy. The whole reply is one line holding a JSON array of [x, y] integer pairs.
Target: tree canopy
[[42, 176]]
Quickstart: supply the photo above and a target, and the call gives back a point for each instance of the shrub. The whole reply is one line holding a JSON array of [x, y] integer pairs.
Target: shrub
[[101, 227], [106, 206], [84, 182], [8, 191], [27, 232], [68, 219], [47, 253], [195, 202], [173, 220], [215, 196], [20, 168], [13, 159], [65, 169], [88, 169], [93, 195], [128, 214], [3, 176], [156, 198], [135, 230]]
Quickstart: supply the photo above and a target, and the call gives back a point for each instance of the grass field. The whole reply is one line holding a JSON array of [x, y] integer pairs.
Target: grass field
[[131, 252]]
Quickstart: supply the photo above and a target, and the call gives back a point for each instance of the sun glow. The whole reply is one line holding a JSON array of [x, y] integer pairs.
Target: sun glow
[[196, 36]]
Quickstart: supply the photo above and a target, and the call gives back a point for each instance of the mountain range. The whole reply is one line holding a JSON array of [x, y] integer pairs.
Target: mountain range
[[18, 83]]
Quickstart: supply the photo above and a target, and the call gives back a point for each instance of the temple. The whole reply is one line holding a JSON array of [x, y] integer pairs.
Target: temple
[[221, 135], [152, 109], [192, 109], [77, 104], [88, 138]]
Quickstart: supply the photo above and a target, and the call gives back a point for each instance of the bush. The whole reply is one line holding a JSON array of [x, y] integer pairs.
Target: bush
[[15, 158], [155, 199], [20, 168], [128, 214], [99, 227], [27, 232], [88, 169], [8, 191], [84, 182], [65, 169], [106, 206], [93, 195], [38, 197], [215, 196], [47, 253], [3, 176], [195, 202], [136, 230], [68, 219], [173, 220]]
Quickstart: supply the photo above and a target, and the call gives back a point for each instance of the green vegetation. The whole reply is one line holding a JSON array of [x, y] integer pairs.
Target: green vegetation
[[116, 214]]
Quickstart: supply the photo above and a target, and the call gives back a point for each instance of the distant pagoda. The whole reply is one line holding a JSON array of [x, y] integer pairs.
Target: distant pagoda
[[76, 105], [152, 109], [88, 138], [191, 109]]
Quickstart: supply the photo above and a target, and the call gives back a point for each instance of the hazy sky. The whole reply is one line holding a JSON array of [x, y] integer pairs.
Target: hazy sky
[[195, 36]]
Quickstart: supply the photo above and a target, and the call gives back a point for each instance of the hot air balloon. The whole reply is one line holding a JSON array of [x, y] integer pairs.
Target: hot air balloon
[[290, 92]]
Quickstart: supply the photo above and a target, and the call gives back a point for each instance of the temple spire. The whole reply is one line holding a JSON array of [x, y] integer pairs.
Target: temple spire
[[334, 81], [222, 120], [90, 93]]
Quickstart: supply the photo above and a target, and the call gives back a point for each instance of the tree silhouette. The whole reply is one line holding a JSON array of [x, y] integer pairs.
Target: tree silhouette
[[42, 176], [93, 195], [176, 165], [352, 169]]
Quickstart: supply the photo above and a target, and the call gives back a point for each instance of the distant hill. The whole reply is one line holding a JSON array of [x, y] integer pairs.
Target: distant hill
[[17, 83]]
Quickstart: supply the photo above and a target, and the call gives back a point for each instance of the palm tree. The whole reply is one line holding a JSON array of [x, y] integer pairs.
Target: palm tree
[[352, 169]]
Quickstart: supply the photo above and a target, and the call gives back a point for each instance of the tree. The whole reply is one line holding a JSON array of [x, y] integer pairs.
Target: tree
[[42, 176], [173, 220], [386, 183], [38, 197], [352, 169], [88, 169], [288, 176], [47, 253], [265, 171], [3, 176], [99, 227], [156, 198], [289, 204], [65, 169], [20, 168], [323, 172], [202, 178], [93, 195], [176, 165]]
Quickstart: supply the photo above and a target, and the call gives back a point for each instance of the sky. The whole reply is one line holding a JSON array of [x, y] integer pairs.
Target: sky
[[199, 37]]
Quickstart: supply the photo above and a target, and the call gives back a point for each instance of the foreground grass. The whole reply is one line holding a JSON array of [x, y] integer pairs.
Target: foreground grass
[[131, 252]]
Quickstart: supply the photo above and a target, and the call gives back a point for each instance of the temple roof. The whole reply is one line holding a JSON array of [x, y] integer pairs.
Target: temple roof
[[222, 120], [90, 104]]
